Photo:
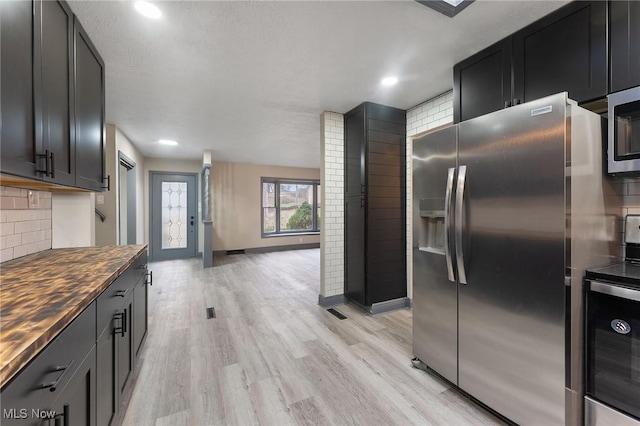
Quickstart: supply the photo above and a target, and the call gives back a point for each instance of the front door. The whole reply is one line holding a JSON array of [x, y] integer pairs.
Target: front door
[[173, 216]]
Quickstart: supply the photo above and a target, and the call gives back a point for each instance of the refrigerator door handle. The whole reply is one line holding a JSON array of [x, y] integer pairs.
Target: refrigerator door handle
[[447, 223], [459, 210]]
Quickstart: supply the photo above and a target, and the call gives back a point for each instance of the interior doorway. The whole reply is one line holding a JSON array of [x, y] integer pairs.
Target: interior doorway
[[126, 200]]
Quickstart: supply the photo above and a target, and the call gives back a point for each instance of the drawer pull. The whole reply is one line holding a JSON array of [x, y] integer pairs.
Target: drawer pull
[[143, 266], [54, 385], [122, 293]]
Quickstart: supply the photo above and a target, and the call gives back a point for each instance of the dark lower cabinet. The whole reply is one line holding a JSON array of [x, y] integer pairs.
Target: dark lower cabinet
[[81, 379], [140, 312], [61, 379], [375, 234], [624, 44], [106, 401], [122, 324], [124, 346], [77, 403]]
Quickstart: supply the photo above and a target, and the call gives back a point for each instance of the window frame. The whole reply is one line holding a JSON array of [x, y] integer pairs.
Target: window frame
[[315, 183]]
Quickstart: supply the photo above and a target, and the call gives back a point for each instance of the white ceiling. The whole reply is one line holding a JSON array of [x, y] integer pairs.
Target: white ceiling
[[248, 80]]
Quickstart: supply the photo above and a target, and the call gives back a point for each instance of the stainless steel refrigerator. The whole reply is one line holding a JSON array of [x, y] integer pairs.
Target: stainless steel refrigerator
[[508, 210]]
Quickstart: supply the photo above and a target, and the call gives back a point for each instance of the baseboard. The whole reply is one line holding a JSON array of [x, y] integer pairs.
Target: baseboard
[[327, 302], [382, 307], [273, 248], [390, 305]]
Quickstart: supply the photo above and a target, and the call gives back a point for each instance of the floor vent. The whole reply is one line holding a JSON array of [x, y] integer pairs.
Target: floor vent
[[211, 313], [336, 314], [230, 252]]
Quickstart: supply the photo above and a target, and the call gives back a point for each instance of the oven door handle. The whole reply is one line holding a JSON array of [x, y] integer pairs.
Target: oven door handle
[[614, 290]]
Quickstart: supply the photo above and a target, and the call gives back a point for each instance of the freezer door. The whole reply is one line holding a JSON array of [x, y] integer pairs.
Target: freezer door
[[511, 311], [435, 296]]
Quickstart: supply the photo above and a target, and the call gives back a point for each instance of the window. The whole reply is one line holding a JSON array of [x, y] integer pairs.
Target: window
[[290, 206]]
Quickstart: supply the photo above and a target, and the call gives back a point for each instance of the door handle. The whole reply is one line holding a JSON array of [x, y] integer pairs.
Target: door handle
[[462, 177], [447, 223]]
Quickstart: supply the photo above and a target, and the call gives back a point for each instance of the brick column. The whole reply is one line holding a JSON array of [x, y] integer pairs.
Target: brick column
[[332, 214]]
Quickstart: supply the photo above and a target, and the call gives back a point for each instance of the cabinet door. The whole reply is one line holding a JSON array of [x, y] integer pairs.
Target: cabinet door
[[107, 399], [140, 303], [89, 112], [54, 41], [624, 27], [565, 51], [354, 152], [77, 403], [482, 83], [124, 346], [354, 248], [18, 131]]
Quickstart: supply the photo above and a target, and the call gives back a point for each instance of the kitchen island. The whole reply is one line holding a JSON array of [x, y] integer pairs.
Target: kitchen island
[[41, 294]]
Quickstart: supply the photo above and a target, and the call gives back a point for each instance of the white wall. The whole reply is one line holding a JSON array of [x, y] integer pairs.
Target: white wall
[[421, 119], [73, 219], [332, 181]]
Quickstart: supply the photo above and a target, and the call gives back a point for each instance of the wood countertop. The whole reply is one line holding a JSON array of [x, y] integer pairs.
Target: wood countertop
[[42, 293]]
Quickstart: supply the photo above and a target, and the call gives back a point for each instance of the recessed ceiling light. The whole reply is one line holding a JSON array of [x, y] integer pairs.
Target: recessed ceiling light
[[389, 81], [147, 9], [167, 142]]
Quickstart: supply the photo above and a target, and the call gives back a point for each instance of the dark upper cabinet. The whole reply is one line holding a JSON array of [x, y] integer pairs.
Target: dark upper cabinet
[[375, 234], [54, 41], [89, 105], [482, 83], [565, 51], [624, 44], [52, 96], [17, 137]]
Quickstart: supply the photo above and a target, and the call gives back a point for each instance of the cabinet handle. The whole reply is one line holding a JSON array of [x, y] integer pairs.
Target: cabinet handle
[[54, 385], [150, 277], [124, 323], [122, 293], [119, 316], [64, 415], [361, 201], [108, 179], [52, 159], [46, 170], [143, 266]]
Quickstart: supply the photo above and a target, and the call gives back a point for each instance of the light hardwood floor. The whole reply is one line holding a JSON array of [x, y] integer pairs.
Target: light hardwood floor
[[272, 356]]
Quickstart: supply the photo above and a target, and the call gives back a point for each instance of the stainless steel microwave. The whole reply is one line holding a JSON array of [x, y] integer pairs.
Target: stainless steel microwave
[[624, 131]]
